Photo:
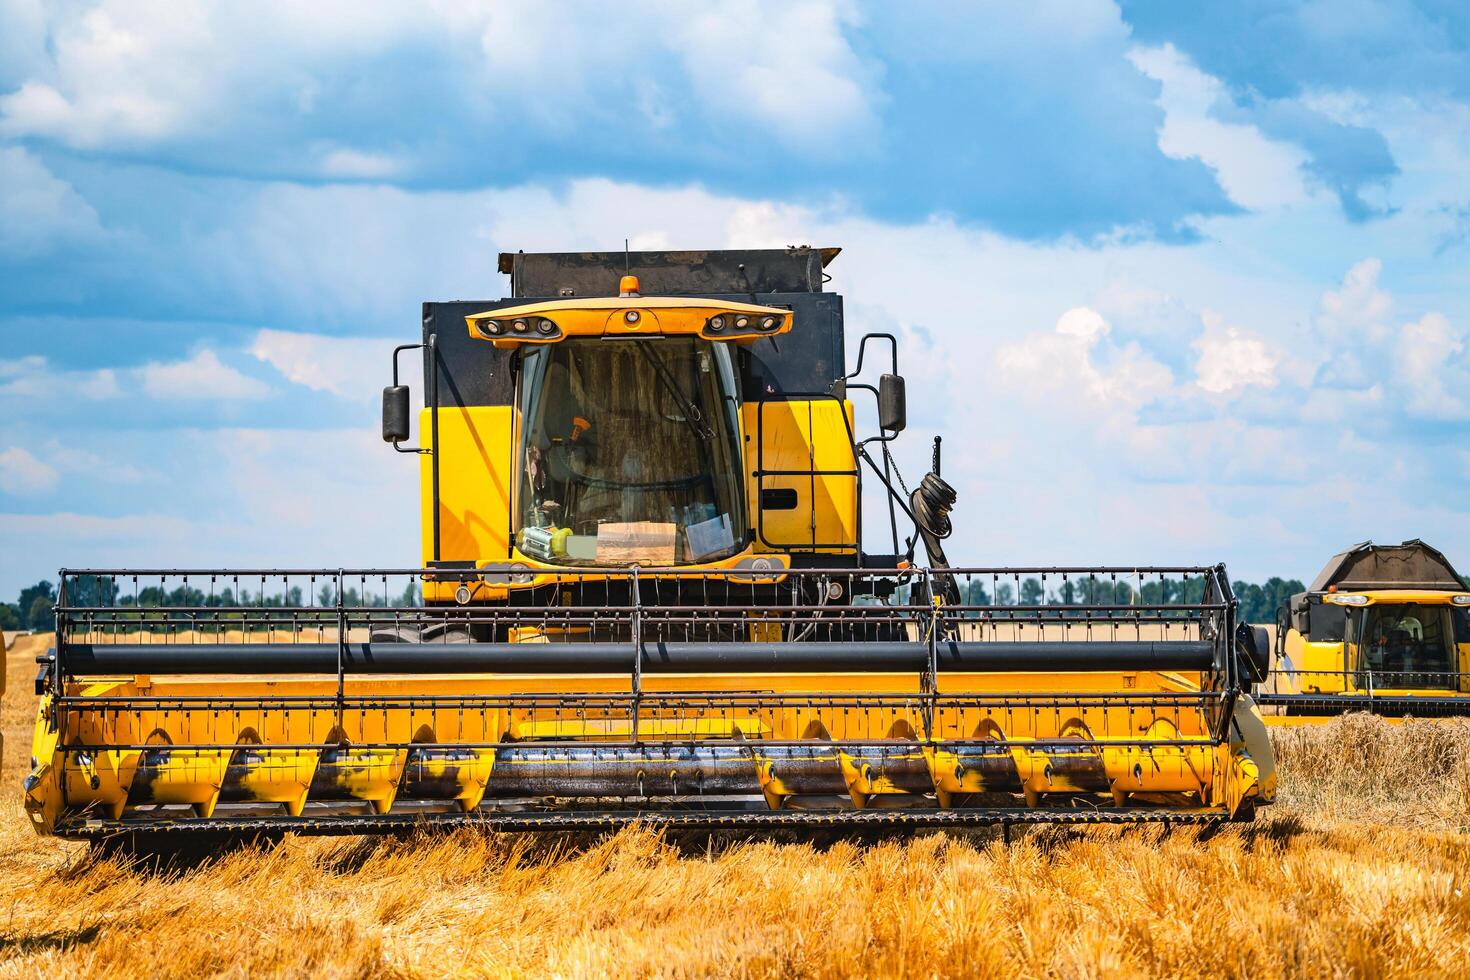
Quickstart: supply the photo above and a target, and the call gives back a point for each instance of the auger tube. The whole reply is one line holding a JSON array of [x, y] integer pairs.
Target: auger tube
[[83, 659]]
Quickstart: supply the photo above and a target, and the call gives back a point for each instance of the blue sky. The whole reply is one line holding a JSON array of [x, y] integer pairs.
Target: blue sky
[[1176, 282]]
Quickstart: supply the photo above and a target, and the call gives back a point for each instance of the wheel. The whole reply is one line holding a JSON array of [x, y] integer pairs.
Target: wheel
[[433, 633], [394, 634], [445, 633]]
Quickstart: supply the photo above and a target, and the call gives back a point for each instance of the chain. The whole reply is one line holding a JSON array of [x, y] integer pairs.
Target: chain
[[888, 457]]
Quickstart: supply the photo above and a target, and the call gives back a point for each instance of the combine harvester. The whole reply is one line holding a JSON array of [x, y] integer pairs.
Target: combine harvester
[[1383, 629], [645, 595]]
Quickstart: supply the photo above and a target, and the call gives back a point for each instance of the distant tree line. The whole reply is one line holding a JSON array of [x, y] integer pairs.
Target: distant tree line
[[33, 610], [1258, 603]]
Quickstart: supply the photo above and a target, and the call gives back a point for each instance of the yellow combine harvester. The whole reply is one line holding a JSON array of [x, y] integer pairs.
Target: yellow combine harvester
[[645, 595], [1383, 628]]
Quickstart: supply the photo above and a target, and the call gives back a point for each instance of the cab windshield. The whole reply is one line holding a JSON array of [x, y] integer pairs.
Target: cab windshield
[[629, 453], [1406, 645]]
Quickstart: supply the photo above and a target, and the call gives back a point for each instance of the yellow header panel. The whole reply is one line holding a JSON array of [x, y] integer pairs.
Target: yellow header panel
[[627, 316]]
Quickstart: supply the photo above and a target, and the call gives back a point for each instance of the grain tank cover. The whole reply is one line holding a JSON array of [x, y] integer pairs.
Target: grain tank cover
[[546, 275], [1411, 565]]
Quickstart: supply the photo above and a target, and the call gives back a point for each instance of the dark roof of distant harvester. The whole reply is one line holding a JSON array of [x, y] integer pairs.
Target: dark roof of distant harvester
[[1411, 565]]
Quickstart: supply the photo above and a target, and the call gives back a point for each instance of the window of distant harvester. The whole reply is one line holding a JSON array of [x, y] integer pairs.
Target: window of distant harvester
[[1406, 645]]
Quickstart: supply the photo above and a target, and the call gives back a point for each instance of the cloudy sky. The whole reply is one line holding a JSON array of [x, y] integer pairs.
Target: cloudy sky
[[1174, 283]]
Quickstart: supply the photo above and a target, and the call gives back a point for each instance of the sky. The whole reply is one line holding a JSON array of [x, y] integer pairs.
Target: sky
[[1177, 283]]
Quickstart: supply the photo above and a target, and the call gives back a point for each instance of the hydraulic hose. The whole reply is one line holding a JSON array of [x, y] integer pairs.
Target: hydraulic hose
[[931, 502]]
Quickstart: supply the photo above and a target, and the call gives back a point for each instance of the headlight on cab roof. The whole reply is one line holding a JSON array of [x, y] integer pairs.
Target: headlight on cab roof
[[1347, 599], [516, 328], [743, 323], [1461, 600]]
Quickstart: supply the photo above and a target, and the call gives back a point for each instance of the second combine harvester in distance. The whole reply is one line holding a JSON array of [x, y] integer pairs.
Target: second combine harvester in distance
[[646, 595], [1383, 629]]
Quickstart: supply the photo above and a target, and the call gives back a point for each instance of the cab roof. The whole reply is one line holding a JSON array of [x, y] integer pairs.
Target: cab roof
[[1366, 566]]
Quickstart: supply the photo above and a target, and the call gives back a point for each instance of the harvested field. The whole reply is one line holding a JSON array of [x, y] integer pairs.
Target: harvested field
[[1364, 868]]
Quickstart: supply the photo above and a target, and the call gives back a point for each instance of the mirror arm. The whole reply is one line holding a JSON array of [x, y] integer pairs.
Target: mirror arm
[[880, 437], [863, 349], [397, 446]]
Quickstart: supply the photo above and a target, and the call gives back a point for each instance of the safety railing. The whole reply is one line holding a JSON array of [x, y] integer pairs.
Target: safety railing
[[1377, 689], [737, 625]]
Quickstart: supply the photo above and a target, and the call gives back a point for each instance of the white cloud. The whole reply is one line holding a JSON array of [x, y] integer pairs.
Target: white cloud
[[1230, 359], [138, 528], [343, 366], [34, 379], [1085, 324], [1256, 172], [357, 164], [1116, 396], [203, 376], [21, 473], [126, 73], [1359, 303], [743, 61], [1432, 363], [1420, 368], [22, 365], [83, 463], [38, 210], [779, 48], [256, 498], [116, 73], [252, 498], [1069, 364], [1069, 382]]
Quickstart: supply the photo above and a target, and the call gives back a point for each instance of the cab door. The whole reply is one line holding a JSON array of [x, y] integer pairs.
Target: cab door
[[803, 475], [1461, 616]]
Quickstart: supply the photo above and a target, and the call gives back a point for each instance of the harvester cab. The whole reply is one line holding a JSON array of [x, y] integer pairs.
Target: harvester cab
[[655, 409], [644, 594], [1382, 628]]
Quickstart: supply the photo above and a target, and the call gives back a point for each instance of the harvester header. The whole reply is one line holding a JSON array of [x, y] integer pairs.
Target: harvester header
[[646, 593]]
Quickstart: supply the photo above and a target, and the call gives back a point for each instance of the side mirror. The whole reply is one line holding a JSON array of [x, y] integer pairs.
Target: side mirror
[[395, 413], [892, 405], [1301, 616]]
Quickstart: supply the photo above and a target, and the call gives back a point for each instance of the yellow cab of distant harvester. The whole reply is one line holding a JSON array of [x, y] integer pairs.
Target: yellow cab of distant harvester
[[1383, 628]]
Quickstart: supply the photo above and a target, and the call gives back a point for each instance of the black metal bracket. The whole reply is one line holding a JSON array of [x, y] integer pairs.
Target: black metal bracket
[[397, 447]]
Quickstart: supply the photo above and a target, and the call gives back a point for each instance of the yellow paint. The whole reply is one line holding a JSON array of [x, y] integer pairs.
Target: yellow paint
[[476, 472], [630, 316], [1331, 667], [1391, 597], [199, 753], [280, 776], [592, 729], [368, 770], [803, 436]]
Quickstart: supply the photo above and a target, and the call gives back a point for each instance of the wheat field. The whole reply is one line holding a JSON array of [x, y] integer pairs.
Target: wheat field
[[1362, 869]]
